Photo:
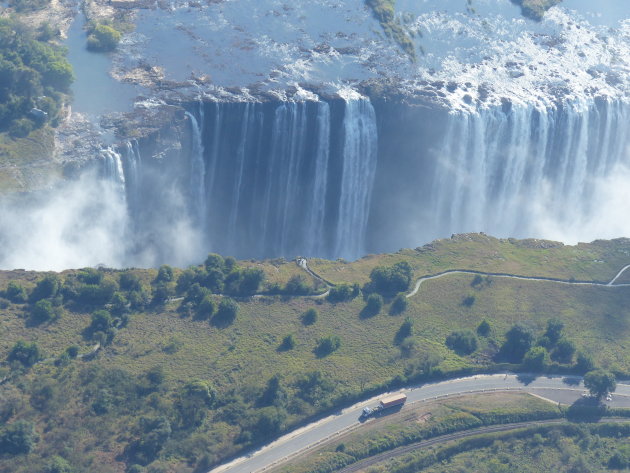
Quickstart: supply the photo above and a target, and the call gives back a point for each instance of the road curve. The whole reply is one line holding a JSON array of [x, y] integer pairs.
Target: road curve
[[564, 388], [524, 278]]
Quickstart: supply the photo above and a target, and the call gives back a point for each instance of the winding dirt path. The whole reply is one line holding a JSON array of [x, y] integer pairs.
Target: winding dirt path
[[523, 278]]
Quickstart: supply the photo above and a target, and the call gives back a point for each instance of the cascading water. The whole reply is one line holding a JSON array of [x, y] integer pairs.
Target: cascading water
[[505, 172], [359, 166], [197, 171], [113, 171]]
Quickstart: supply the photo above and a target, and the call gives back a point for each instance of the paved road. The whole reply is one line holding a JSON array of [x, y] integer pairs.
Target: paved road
[[564, 389], [524, 278]]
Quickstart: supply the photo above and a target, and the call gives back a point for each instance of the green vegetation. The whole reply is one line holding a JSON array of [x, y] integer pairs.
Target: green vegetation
[[25, 6], [34, 78], [385, 12], [96, 399], [535, 9], [600, 383], [102, 37], [463, 342]]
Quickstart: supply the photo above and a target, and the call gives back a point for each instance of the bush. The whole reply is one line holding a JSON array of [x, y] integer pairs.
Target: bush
[[17, 438], [565, 349], [584, 363], [463, 342], [58, 465], [536, 359], [43, 311], [399, 304], [373, 305], [390, 279], [129, 281], [327, 345], [206, 308], [288, 343], [518, 342], [15, 292], [165, 274], [297, 285], [227, 312], [21, 127], [484, 328], [26, 353], [310, 316], [46, 288], [405, 330], [554, 330], [103, 38], [343, 293]]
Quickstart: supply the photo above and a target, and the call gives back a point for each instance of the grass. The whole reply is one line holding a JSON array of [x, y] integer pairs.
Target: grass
[[240, 359]]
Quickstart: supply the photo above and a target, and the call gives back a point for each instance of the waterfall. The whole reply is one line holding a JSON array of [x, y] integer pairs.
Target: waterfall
[[505, 171], [357, 178], [113, 171], [197, 172], [317, 209]]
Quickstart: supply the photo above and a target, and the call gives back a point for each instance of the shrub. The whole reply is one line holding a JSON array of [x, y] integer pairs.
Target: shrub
[[227, 312], [24, 352], [373, 305], [462, 342], [58, 465], [554, 330], [405, 330], [165, 274], [536, 359], [310, 316], [584, 363], [390, 279], [518, 341], [288, 343], [483, 329], [17, 438], [21, 127], [206, 308], [297, 285], [343, 293], [46, 288], [103, 38], [15, 292], [565, 349], [129, 281], [327, 345], [43, 311], [399, 304]]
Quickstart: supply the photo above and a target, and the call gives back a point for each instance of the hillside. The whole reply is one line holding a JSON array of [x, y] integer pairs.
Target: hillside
[[179, 381]]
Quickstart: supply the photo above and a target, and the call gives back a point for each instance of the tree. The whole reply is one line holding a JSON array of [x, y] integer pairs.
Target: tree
[[518, 341], [227, 312], [405, 330], [483, 329], [46, 288], [373, 305], [274, 393], [17, 438], [565, 349], [58, 465], [102, 321], [327, 345], [251, 279], [584, 363], [206, 308], [15, 292], [288, 343], [44, 311], [214, 261], [129, 281], [297, 285], [310, 316], [26, 353], [342, 293], [165, 274], [390, 279], [600, 383], [463, 342], [103, 38], [536, 359], [399, 304], [554, 330], [192, 403]]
